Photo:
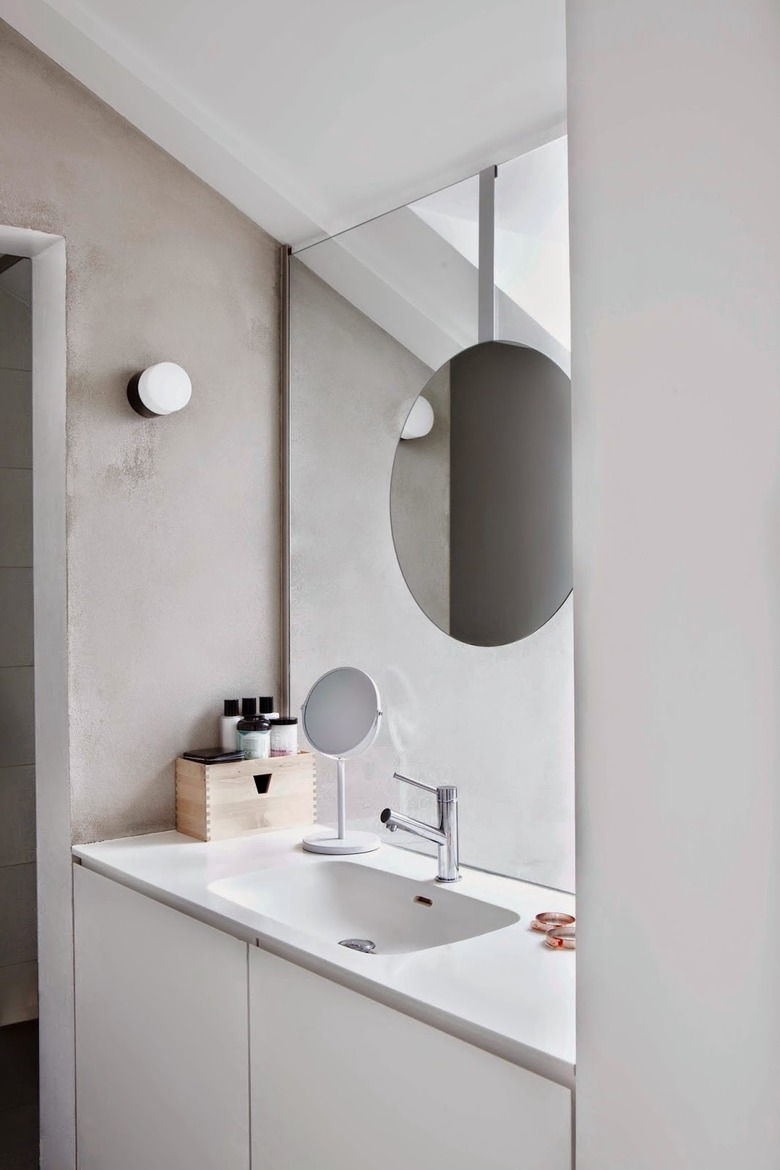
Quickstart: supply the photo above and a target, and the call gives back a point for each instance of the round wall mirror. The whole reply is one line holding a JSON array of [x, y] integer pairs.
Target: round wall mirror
[[480, 504], [341, 718]]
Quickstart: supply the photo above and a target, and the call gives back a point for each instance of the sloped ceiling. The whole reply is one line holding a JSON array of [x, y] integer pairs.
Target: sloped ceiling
[[314, 115]]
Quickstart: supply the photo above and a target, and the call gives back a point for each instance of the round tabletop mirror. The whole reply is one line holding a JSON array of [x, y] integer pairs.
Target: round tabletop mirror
[[341, 718], [480, 503]]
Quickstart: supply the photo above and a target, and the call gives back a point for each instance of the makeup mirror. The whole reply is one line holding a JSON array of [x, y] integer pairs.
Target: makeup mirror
[[341, 717]]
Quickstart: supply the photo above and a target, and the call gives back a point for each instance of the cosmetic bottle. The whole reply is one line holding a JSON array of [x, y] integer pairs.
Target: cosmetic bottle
[[227, 726], [265, 705], [254, 732], [284, 737]]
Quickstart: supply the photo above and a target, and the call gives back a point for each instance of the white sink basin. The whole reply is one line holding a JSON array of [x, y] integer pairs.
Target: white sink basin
[[339, 900]]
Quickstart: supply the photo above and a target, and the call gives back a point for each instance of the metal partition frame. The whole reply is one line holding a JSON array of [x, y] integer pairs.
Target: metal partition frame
[[284, 478]]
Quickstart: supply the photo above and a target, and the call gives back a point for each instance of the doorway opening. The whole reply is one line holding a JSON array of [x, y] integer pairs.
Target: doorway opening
[[37, 1051]]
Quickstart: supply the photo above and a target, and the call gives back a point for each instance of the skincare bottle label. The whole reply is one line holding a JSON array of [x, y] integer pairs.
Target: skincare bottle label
[[256, 745]]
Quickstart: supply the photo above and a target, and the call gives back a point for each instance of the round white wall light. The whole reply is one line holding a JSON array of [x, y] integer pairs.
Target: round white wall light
[[159, 390], [419, 420]]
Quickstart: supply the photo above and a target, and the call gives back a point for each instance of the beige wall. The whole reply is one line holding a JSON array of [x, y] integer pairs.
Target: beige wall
[[172, 523]]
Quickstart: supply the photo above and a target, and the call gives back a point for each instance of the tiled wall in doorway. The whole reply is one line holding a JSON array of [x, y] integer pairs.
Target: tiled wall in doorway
[[18, 965], [18, 968]]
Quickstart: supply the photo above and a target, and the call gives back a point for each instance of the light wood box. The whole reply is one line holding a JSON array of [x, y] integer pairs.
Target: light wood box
[[217, 801]]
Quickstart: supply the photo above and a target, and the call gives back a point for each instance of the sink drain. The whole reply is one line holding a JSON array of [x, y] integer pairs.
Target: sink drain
[[365, 945]]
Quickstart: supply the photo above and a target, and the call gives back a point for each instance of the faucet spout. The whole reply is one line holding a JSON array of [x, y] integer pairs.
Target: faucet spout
[[444, 835], [395, 820]]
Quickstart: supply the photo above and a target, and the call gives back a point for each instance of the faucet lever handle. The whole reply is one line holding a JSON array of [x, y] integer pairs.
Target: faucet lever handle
[[415, 783]]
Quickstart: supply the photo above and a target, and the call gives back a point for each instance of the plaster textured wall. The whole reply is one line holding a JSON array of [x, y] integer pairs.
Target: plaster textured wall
[[172, 523], [498, 722], [675, 191]]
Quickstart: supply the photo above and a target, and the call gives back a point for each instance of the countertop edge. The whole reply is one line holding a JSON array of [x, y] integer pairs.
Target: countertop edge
[[543, 1064]]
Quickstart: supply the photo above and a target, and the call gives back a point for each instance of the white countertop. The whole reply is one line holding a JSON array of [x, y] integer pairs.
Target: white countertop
[[506, 992]]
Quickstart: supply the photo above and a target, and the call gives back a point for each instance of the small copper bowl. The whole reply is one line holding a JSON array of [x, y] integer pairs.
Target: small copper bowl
[[562, 937], [550, 919]]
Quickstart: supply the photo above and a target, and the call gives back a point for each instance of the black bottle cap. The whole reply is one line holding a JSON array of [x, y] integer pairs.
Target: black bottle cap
[[265, 704], [254, 723], [231, 706], [284, 721], [248, 708]]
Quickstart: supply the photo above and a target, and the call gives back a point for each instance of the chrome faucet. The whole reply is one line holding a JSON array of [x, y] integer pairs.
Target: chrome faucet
[[445, 835]]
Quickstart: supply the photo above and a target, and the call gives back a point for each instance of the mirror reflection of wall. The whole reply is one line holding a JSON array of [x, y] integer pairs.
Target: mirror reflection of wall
[[480, 505], [420, 506], [374, 312]]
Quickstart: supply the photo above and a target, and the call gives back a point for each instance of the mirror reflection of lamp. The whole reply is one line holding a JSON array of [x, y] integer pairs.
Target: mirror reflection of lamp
[[419, 420]]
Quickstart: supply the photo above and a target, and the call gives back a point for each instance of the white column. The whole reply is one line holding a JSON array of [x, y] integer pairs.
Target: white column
[[674, 115]]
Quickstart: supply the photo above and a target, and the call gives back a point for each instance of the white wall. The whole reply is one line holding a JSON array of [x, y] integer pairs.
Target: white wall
[[675, 191], [496, 721]]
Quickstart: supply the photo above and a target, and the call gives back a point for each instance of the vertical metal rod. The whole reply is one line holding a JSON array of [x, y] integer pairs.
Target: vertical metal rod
[[284, 478], [342, 797], [486, 311]]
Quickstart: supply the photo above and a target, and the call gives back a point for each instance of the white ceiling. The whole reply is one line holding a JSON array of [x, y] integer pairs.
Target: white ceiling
[[314, 115]]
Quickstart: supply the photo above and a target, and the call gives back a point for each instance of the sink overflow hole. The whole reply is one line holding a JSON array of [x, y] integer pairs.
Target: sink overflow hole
[[365, 945], [424, 901], [263, 783]]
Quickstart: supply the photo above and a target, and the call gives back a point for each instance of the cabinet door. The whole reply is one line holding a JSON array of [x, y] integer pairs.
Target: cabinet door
[[161, 1036], [342, 1083]]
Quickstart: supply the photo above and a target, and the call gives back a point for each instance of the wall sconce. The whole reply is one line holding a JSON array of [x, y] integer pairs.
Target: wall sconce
[[419, 420], [159, 390]]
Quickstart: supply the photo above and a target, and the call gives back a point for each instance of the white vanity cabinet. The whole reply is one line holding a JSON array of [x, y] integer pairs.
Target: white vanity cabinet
[[161, 1035], [340, 1082], [195, 1051]]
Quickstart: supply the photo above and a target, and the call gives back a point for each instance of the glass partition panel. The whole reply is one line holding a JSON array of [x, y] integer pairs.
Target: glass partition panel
[[375, 312]]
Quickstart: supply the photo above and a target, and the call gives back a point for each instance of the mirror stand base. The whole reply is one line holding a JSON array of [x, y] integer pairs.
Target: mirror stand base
[[328, 841]]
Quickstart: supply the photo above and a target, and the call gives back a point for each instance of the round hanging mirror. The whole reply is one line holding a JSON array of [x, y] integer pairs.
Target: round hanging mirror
[[480, 503], [341, 718]]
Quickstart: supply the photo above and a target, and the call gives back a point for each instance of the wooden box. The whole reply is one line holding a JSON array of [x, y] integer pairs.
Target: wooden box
[[216, 801]]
